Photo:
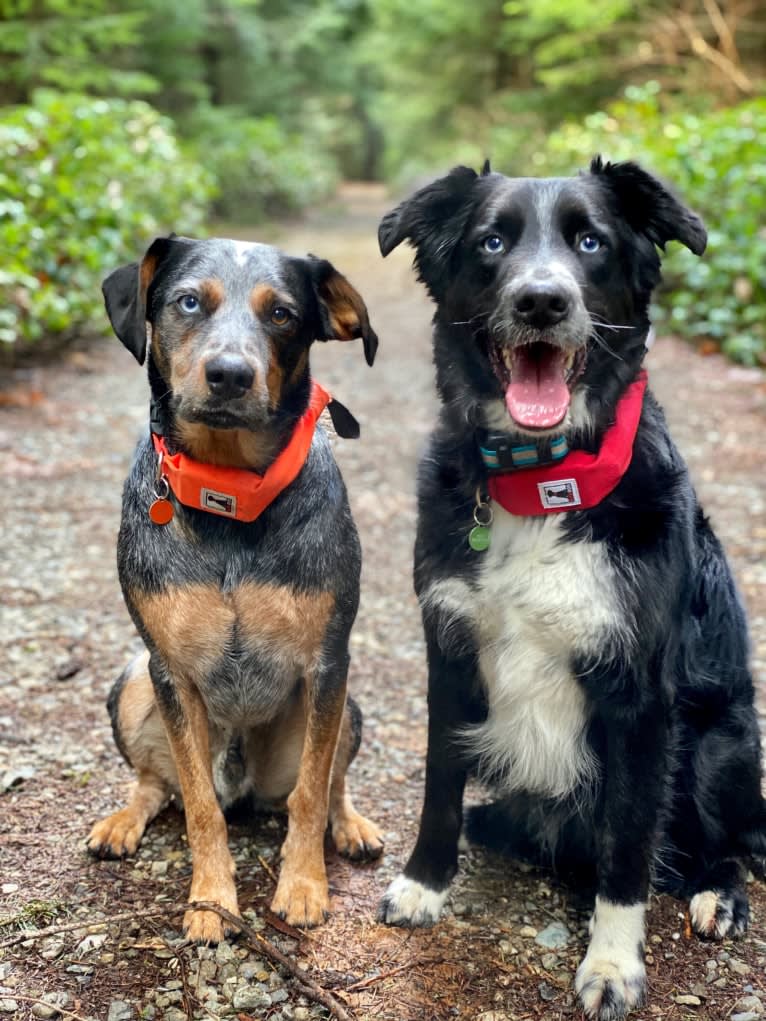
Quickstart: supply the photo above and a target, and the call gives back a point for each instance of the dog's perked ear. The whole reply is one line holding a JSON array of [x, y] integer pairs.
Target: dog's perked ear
[[125, 293], [342, 310], [649, 207], [433, 220]]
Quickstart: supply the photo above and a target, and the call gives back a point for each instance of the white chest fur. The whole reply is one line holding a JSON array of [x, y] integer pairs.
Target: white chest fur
[[538, 600]]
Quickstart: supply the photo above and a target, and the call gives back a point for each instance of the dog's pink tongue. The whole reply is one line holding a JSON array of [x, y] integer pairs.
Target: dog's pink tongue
[[537, 395]]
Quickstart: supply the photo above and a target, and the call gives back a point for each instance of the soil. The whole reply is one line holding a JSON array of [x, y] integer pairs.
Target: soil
[[66, 434]]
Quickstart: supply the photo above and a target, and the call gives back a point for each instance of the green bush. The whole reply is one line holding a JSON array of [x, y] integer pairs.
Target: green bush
[[84, 184], [262, 170], [717, 162]]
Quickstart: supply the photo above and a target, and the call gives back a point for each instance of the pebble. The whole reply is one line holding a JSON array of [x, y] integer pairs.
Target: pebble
[[749, 1015], [553, 936], [549, 961], [528, 932], [547, 992], [687, 1000], [51, 1005], [750, 1004], [159, 868], [91, 942], [740, 967], [174, 1014], [16, 777], [119, 1010], [250, 997], [51, 949], [8, 1006]]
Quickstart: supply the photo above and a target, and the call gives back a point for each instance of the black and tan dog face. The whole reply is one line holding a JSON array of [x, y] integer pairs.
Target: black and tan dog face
[[551, 279], [229, 324]]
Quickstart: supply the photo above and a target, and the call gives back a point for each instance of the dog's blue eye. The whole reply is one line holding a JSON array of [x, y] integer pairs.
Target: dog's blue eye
[[493, 244], [188, 303], [589, 243]]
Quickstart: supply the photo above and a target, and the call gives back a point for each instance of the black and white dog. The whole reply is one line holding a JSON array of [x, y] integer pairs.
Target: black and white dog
[[587, 649]]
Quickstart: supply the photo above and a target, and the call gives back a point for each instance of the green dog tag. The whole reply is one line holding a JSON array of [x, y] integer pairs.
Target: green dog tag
[[478, 538]]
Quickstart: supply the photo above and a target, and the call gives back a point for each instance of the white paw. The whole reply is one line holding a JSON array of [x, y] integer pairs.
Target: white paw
[[715, 915], [612, 977], [407, 902]]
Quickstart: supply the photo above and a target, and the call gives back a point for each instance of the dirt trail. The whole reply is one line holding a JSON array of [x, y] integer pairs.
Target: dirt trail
[[66, 433]]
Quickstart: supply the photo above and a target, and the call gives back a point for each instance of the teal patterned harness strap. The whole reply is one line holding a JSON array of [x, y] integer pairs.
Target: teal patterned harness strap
[[499, 454]]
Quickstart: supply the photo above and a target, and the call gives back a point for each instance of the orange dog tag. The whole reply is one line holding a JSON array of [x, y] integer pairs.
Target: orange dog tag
[[161, 511]]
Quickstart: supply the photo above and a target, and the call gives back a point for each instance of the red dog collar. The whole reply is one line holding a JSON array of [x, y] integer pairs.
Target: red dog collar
[[234, 492], [579, 480]]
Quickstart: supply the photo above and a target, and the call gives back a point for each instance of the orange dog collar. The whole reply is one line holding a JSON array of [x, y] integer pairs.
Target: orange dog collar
[[233, 492]]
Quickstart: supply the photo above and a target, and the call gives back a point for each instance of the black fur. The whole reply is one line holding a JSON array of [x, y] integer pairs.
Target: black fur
[[671, 722]]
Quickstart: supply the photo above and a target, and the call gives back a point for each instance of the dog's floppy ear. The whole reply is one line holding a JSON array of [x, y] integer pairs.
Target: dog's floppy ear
[[125, 292], [433, 220], [342, 310], [649, 207]]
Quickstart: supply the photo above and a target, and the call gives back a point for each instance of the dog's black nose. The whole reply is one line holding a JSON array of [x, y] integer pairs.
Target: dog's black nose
[[541, 304], [228, 376]]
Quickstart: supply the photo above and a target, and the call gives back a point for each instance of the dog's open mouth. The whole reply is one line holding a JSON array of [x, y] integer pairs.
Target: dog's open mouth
[[537, 381]]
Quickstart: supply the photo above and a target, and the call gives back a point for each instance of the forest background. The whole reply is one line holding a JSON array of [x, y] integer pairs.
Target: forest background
[[120, 121]]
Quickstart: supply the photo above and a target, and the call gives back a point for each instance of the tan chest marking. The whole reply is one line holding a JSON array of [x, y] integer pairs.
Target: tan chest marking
[[192, 625]]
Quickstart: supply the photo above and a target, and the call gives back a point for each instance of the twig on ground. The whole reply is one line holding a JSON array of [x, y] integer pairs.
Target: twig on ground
[[35, 999], [306, 985], [365, 982], [267, 868], [54, 930]]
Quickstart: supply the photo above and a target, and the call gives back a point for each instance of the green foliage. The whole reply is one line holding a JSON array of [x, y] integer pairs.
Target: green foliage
[[69, 44], [716, 161], [262, 170], [84, 183]]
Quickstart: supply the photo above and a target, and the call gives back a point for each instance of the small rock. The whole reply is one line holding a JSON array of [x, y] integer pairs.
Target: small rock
[[51, 1004], [547, 992], [749, 1003], [302, 1014], [549, 961], [8, 1006], [174, 1014], [553, 937], [279, 996], [750, 1015], [159, 868], [528, 932], [687, 1000], [16, 777], [119, 1010], [488, 1015], [250, 998], [5, 969], [51, 949], [9, 887], [224, 953], [699, 990], [92, 942], [740, 967]]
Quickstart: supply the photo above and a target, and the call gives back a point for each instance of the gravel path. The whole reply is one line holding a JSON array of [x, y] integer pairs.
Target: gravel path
[[511, 941]]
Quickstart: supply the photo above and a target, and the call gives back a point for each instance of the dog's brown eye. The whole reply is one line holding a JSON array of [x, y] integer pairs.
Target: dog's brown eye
[[280, 316]]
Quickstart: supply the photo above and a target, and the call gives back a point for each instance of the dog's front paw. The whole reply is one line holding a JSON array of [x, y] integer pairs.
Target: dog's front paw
[[716, 914], [609, 988], [407, 902], [203, 926], [357, 838], [116, 836], [301, 901]]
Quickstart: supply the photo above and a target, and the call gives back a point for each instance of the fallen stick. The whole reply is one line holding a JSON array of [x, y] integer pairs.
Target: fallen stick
[[364, 983], [54, 930], [305, 985]]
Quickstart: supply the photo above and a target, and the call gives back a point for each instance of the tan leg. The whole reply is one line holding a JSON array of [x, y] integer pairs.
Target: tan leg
[[141, 734], [212, 865], [355, 837], [302, 895], [120, 834]]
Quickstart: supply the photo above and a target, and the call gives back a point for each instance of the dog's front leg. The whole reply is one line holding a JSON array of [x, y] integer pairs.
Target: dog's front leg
[[417, 896], [611, 979], [186, 722], [302, 896]]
